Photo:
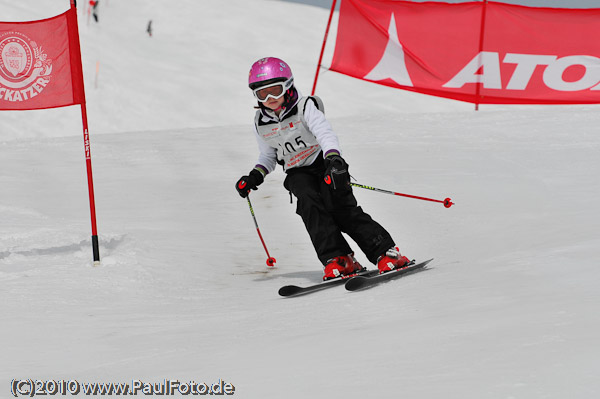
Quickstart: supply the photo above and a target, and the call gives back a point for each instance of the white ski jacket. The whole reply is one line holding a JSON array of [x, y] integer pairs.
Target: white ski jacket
[[295, 138]]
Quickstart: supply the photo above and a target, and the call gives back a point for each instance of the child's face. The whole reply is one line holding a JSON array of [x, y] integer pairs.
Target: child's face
[[273, 103]]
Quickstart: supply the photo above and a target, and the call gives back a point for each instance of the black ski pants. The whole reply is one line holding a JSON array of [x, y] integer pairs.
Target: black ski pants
[[328, 213]]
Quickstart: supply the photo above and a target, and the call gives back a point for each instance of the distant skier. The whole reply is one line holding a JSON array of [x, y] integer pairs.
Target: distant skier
[[292, 130], [149, 28], [94, 5]]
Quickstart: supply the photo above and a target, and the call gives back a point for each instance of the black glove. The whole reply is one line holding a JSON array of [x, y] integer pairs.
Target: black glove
[[250, 182], [336, 173]]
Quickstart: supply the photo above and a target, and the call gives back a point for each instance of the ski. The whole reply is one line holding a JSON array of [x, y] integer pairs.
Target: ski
[[363, 282], [294, 290]]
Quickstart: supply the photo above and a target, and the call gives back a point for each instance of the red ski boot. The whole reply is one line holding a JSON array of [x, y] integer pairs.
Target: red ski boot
[[391, 260], [341, 266]]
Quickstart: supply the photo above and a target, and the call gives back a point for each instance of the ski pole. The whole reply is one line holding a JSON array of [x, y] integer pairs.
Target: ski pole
[[270, 260], [447, 202]]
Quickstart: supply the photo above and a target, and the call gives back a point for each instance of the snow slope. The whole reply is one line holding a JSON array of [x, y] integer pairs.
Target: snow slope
[[508, 309]]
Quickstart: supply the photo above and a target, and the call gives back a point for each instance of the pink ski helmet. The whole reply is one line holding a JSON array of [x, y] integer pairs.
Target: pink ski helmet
[[269, 70]]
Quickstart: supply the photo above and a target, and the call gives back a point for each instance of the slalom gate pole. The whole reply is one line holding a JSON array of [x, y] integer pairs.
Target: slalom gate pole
[[270, 260], [76, 62], [481, 36], [447, 202], [88, 165], [312, 93]]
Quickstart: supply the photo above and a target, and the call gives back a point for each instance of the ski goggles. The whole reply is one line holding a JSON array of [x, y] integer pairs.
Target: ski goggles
[[274, 90]]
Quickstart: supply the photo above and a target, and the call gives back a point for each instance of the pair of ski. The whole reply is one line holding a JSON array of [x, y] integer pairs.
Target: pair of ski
[[359, 281]]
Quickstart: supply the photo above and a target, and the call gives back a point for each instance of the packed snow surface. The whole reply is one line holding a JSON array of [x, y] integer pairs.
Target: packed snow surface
[[509, 308]]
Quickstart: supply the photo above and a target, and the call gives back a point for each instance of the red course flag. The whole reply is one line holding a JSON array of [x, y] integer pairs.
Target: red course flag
[[40, 63], [480, 52], [40, 67]]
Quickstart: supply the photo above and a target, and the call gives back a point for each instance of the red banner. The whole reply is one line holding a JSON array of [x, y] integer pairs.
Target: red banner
[[480, 52], [40, 63]]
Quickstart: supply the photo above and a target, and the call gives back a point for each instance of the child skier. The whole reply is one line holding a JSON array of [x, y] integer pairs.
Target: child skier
[[292, 130]]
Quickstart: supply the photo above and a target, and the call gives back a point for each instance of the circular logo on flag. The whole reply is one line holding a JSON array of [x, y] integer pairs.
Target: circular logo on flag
[[24, 67], [17, 58]]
